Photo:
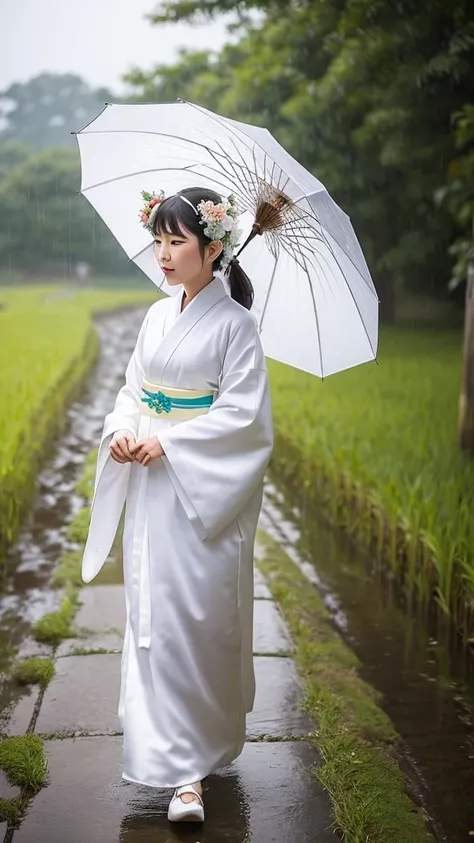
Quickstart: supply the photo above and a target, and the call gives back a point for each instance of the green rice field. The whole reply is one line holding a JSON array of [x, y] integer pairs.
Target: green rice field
[[377, 445], [47, 346]]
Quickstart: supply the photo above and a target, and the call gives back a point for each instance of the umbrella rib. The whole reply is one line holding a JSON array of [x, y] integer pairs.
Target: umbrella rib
[[219, 120], [140, 173], [228, 160], [311, 219], [233, 187], [142, 250], [352, 296], [260, 322], [316, 318], [251, 148]]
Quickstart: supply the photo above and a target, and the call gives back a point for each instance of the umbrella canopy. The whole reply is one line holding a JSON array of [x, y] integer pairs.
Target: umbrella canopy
[[315, 302]]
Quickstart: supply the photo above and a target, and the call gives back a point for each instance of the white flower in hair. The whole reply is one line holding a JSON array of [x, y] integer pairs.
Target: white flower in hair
[[220, 221]]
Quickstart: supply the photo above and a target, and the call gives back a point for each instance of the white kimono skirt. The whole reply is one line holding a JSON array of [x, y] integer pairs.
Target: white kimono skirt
[[190, 522]]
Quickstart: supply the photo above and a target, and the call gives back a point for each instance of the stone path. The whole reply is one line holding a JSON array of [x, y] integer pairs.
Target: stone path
[[268, 794]]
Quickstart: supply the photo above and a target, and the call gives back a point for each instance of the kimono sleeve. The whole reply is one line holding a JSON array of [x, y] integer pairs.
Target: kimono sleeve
[[111, 478], [217, 461]]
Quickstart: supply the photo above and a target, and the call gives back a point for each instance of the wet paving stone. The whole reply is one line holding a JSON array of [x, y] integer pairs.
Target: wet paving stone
[[269, 795], [7, 790], [261, 590], [21, 713], [277, 710], [270, 634], [82, 697], [103, 608], [110, 641]]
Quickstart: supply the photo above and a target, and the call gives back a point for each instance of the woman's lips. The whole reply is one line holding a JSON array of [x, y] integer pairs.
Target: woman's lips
[[166, 270]]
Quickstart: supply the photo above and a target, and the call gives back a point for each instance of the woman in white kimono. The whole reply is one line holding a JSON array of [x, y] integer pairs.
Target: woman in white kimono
[[186, 446]]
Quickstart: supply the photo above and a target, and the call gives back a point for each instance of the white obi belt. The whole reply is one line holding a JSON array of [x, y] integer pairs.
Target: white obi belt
[[173, 403]]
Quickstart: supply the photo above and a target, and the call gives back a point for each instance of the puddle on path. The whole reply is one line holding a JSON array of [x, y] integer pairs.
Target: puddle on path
[[26, 595], [427, 682]]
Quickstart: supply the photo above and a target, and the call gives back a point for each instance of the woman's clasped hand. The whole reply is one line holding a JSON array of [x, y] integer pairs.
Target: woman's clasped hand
[[124, 448]]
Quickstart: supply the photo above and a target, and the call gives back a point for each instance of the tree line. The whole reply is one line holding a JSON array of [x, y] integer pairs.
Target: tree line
[[375, 97], [45, 227]]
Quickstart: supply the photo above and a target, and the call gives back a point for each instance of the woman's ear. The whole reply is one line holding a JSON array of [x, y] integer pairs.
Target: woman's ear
[[214, 249]]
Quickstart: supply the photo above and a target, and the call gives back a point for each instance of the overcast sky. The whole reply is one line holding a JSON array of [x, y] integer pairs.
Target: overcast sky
[[97, 39]]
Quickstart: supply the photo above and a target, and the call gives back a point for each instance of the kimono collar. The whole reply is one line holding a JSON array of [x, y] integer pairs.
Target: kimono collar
[[180, 323], [209, 295]]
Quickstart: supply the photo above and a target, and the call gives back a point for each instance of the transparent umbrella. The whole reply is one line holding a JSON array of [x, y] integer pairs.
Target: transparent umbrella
[[315, 302]]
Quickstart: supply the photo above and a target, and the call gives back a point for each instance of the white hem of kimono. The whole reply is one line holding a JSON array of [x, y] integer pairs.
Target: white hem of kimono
[[193, 777]]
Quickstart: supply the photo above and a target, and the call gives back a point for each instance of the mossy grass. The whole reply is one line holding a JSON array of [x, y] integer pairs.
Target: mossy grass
[[23, 761], [68, 572], [79, 526], [354, 737], [85, 484], [12, 810], [54, 627], [92, 651], [34, 671], [57, 626]]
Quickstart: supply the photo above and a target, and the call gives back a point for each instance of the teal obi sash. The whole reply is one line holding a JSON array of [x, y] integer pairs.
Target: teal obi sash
[[171, 402]]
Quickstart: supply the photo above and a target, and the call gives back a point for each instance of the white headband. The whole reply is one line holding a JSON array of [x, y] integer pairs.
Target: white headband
[[190, 204]]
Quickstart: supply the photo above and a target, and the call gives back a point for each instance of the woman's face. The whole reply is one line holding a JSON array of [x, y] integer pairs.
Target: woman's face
[[181, 259]]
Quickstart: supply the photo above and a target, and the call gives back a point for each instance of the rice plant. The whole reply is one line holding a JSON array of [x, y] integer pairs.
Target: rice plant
[[378, 447], [48, 345]]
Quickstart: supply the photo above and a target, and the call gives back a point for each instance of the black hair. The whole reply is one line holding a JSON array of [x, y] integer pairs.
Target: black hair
[[174, 213]]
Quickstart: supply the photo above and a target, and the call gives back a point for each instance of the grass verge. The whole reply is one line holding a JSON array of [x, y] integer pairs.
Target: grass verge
[[23, 761], [354, 737], [34, 671]]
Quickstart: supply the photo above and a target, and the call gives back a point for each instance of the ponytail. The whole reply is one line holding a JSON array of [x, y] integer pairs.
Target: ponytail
[[240, 284]]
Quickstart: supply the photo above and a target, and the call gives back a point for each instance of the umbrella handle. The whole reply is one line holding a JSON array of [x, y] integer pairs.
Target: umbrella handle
[[256, 229]]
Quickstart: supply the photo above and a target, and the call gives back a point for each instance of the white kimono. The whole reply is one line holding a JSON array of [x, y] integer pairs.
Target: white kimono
[[191, 516]]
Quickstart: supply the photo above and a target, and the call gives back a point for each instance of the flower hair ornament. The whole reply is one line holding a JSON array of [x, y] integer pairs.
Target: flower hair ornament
[[219, 219]]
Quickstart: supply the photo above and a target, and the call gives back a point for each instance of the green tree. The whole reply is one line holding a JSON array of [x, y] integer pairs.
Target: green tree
[[362, 92], [43, 111], [45, 225], [12, 153]]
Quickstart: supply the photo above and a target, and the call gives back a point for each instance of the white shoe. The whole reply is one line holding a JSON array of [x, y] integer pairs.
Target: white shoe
[[180, 811]]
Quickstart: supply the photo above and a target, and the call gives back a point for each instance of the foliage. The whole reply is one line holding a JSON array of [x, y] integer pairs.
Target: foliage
[[12, 810], [458, 194], [363, 93], [12, 153], [68, 570], [54, 627], [387, 467], [44, 225], [23, 760], [47, 331], [34, 671], [44, 111]]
